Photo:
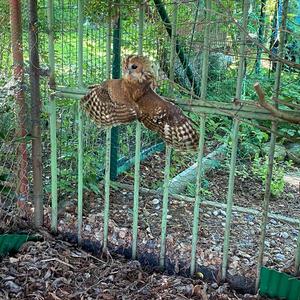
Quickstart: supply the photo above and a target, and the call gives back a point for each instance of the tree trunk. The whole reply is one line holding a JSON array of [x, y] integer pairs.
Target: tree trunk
[[262, 19], [18, 71]]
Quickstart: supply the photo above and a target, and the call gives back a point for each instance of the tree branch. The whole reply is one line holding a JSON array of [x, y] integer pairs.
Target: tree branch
[[272, 109]]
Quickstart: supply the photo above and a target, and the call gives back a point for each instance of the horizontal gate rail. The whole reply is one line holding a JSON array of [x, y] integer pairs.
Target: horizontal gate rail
[[255, 212], [244, 109]]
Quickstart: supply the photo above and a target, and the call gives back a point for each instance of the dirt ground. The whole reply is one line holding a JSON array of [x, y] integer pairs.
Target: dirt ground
[[280, 244], [56, 270], [281, 237]]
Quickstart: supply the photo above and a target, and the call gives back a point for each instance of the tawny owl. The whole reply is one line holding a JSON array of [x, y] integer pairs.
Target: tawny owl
[[120, 101]]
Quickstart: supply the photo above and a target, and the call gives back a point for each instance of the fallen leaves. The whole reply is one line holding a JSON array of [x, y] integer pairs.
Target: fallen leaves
[[57, 270]]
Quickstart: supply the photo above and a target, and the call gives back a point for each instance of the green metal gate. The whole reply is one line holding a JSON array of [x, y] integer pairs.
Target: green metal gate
[[90, 57]]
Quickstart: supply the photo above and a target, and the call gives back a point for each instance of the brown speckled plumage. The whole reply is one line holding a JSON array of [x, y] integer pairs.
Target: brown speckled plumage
[[120, 101]]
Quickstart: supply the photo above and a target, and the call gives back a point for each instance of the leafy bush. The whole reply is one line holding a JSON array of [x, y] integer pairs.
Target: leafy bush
[[259, 169]]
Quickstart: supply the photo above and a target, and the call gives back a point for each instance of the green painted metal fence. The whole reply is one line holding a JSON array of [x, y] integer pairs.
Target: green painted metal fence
[[62, 90]]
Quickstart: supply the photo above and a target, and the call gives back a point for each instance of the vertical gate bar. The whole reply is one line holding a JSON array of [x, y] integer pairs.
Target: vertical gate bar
[[168, 150], [230, 197], [197, 197], [159, 4], [265, 206], [80, 172], [280, 50], [37, 167], [116, 74], [107, 187], [141, 27], [137, 150], [52, 113], [235, 131], [203, 88], [165, 208], [173, 46], [80, 43], [50, 18], [241, 68], [297, 258], [276, 90], [108, 43], [80, 122], [107, 140]]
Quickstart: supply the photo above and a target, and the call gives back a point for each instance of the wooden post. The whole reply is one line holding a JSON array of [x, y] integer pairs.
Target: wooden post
[[35, 114]]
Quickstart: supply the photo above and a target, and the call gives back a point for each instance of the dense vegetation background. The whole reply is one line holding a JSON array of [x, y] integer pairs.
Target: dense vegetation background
[[263, 27]]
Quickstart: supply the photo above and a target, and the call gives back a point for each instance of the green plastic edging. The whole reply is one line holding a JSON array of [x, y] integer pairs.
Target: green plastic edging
[[13, 242], [274, 284]]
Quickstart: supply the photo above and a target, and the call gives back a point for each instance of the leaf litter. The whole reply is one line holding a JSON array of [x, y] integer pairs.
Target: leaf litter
[[58, 270], [61, 271]]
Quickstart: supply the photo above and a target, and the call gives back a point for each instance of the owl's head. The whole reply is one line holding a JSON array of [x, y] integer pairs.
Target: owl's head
[[137, 68]]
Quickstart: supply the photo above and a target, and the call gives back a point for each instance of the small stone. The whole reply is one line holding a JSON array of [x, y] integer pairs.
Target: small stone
[[13, 260], [110, 278], [214, 285], [88, 227], [279, 257], [249, 218], [265, 260], [232, 272], [146, 212], [92, 218], [155, 201], [284, 234], [13, 286], [98, 236], [215, 213], [122, 234]]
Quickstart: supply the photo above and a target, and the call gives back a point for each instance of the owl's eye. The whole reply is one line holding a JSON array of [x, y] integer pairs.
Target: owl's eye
[[134, 67]]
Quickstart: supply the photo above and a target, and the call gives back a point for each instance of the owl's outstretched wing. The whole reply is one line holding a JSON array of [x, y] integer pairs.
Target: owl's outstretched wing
[[106, 105], [168, 121]]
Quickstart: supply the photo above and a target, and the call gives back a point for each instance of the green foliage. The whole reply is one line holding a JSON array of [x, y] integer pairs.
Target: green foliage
[[98, 11], [156, 44], [251, 138], [204, 192], [259, 168]]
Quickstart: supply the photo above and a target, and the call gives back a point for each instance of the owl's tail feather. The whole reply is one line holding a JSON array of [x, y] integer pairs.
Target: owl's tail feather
[[182, 137]]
